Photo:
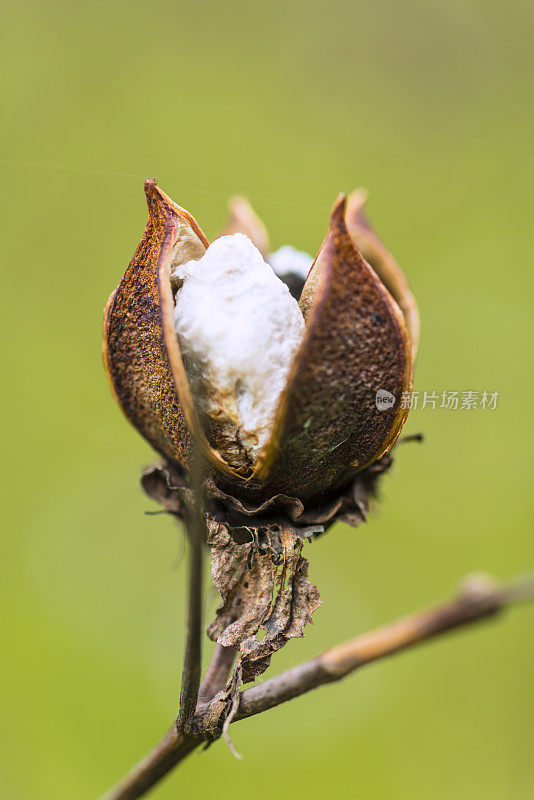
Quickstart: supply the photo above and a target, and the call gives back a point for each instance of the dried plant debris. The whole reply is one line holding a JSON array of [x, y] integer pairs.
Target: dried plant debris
[[267, 597], [221, 710], [257, 562]]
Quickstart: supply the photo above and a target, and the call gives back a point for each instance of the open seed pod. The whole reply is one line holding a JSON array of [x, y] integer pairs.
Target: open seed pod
[[328, 423], [338, 414]]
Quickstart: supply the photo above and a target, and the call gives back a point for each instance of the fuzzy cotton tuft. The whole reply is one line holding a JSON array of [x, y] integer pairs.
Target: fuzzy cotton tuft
[[239, 329], [287, 260]]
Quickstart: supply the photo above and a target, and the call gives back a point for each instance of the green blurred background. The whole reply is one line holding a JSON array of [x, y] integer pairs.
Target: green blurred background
[[428, 105]]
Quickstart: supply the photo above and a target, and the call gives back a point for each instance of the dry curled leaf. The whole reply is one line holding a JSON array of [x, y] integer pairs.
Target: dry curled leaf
[[267, 597]]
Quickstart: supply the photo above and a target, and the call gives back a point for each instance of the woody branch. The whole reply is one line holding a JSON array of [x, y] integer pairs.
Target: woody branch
[[479, 598]]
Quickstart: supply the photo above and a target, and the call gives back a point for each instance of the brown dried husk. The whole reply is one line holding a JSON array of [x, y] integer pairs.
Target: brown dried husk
[[257, 561], [356, 342]]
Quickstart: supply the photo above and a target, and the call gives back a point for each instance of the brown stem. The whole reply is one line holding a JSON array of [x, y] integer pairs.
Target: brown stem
[[172, 749], [216, 675], [478, 600], [196, 531]]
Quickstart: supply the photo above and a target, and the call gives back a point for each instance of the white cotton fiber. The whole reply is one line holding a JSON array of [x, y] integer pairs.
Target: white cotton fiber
[[287, 260], [239, 329]]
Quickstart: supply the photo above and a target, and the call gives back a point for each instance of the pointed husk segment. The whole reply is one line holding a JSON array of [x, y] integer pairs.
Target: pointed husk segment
[[356, 343], [243, 219], [382, 261], [141, 351]]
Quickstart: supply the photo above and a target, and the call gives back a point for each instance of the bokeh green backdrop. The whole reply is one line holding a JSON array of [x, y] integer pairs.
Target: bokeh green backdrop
[[427, 104]]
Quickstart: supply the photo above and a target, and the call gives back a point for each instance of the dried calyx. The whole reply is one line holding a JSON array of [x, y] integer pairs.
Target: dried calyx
[[238, 328]]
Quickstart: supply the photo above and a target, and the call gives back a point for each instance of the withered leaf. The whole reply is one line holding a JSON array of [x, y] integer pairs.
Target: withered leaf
[[267, 597]]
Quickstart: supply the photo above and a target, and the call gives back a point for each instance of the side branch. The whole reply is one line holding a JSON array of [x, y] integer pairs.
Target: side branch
[[479, 599]]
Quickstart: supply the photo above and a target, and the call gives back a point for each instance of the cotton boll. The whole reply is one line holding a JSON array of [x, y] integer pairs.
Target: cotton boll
[[286, 260], [292, 267], [238, 329]]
